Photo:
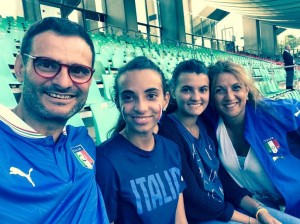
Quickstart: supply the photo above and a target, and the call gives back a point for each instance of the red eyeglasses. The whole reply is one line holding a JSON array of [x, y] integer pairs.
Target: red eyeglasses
[[49, 68]]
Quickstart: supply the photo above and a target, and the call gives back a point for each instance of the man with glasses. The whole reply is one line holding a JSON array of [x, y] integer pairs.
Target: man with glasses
[[47, 169]]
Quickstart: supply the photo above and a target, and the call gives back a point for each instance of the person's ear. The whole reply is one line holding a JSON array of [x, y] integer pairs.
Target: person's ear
[[248, 90], [166, 101], [19, 68]]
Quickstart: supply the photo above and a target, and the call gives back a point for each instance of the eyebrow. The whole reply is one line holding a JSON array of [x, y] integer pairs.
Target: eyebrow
[[234, 84], [127, 91], [193, 87], [151, 90]]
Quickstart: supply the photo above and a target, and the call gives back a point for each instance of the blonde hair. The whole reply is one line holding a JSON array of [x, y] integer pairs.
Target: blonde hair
[[239, 73]]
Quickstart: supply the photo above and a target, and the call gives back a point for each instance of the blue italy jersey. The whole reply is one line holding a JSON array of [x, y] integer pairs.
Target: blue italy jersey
[[274, 135], [139, 186], [47, 182]]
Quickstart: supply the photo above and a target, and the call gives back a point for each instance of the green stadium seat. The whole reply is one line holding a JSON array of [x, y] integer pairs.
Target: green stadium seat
[[6, 73], [17, 34], [117, 61], [76, 120], [10, 19], [7, 97], [94, 95], [106, 52], [104, 60], [108, 84], [20, 19], [99, 70], [105, 116], [128, 58], [274, 88]]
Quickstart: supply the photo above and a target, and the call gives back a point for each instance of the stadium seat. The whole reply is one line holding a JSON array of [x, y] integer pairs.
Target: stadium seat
[[99, 70], [105, 116], [106, 52], [117, 61], [76, 121], [104, 60], [108, 84], [17, 34], [8, 48], [94, 94], [5, 72], [7, 97], [20, 19]]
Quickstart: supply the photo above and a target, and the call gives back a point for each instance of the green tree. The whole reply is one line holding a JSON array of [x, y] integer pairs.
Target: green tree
[[292, 41]]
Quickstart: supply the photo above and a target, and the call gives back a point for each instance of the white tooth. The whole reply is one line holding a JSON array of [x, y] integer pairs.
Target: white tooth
[[141, 118], [60, 96], [230, 105]]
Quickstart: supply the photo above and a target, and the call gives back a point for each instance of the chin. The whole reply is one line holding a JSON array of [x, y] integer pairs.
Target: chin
[[144, 130], [58, 115], [195, 113]]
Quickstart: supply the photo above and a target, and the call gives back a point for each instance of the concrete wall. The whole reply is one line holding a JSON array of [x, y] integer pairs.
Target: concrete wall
[[180, 23], [90, 5], [32, 10], [259, 37], [115, 14], [172, 20], [130, 13], [268, 39], [251, 35], [121, 13]]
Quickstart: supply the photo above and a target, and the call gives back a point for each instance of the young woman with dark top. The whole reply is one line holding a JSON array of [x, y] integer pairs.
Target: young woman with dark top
[[140, 172], [185, 123]]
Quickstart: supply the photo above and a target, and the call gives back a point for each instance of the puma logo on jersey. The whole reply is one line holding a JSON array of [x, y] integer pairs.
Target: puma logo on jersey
[[16, 171], [297, 113]]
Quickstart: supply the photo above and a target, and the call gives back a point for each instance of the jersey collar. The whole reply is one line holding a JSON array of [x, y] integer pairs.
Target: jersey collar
[[16, 124]]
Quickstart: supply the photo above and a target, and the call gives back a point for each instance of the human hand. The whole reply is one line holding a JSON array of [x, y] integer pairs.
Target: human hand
[[265, 217]]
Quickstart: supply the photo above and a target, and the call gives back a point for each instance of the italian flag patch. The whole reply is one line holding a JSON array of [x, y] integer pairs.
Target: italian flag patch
[[272, 145], [83, 157]]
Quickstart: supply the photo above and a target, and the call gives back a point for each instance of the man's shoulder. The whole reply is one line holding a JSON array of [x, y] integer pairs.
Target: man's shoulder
[[285, 52], [6, 115], [73, 131], [14, 124], [75, 136]]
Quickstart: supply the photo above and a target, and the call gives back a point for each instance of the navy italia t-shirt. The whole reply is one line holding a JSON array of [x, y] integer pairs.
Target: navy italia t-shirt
[[139, 186]]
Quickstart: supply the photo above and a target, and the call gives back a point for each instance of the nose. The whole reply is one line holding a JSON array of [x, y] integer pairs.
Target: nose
[[140, 106], [195, 95], [62, 79], [229, 94]]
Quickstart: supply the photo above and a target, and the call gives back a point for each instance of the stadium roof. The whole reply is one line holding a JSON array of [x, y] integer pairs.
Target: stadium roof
[[284, 13]]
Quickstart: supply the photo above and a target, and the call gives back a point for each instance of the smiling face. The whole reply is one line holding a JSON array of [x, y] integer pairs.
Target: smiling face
[[191, 94], [56, 98], [229, 96], [141, 100]]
